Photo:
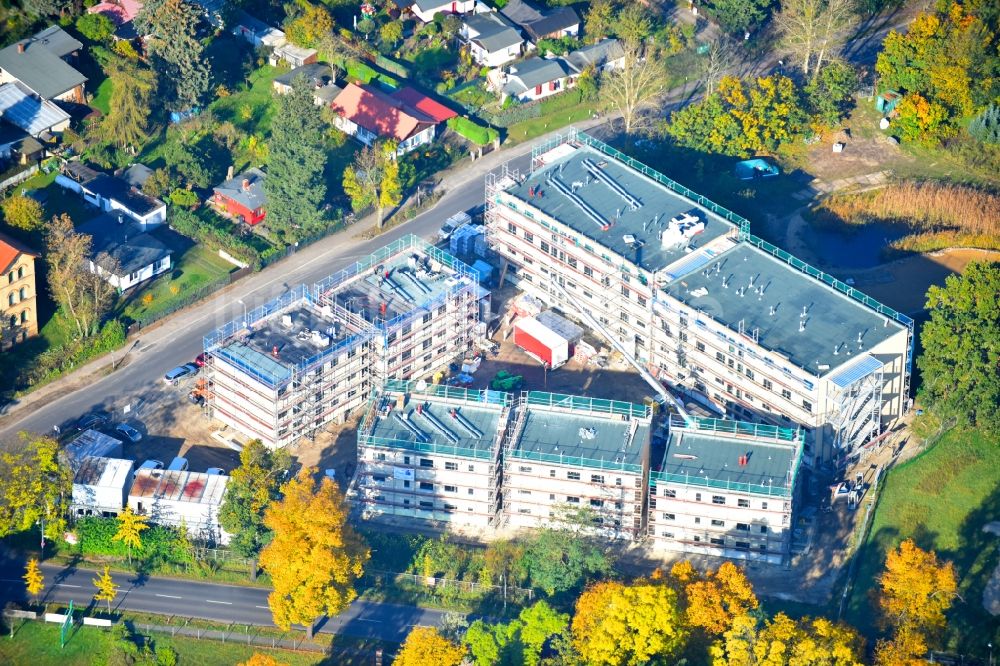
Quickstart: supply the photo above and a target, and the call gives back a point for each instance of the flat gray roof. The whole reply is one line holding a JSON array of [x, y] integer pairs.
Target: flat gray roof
[[437, 427], [830, 326], [295, 341], [657, 205], [716, 457], [410, 285], [601, 441]]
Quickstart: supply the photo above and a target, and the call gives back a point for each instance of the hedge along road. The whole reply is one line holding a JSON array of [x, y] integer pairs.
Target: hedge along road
[[178, 339], [209, 601]]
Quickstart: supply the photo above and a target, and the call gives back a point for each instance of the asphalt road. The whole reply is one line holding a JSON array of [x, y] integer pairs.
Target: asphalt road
[[179, 339], [210, 601]]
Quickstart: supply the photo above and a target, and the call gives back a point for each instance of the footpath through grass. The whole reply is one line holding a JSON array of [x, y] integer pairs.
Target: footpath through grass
[[941, 499], [37, 643]]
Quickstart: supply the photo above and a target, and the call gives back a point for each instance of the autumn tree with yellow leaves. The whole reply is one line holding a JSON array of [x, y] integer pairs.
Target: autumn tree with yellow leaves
[[35, 488], [715, 599], [783, 641], [426, 645], [34, 582], [916, 589], [617, 624], [261, 659], [907, 647], [315, 557], [107, 589], [130, 528]]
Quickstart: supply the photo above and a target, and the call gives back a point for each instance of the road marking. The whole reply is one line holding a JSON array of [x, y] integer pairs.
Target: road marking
[[264, 607], [210, 601], [361, 619], [168, 596], [66, 585]]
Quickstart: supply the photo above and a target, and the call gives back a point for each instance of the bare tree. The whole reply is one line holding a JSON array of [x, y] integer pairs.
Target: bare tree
[[799, 25], [835, 24], [636, 85], [721, 54], [84, 296], [814, 30]]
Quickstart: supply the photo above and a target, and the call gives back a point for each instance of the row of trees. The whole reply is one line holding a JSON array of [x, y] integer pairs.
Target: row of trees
[[690, 617]]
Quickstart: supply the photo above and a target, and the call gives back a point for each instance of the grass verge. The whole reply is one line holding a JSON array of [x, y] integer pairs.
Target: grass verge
[[941, 499]]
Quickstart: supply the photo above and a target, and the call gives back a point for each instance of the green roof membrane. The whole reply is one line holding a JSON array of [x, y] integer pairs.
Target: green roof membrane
[[582, 439], [434, 425], [614, 195], [715, 457], [814, 326]]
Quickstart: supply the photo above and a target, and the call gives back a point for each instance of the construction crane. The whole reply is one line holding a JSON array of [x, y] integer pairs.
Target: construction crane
[[665, 396]]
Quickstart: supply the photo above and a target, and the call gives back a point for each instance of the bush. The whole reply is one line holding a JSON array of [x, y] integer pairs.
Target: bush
[[477, 134], [184, 198], [160, 545], [189, 224], [95, 27]]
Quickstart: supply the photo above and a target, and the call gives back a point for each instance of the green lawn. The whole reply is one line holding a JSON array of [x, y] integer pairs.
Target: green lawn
[[102, 96], [195, 270], [941, 499], [251, 109], [37, 643]]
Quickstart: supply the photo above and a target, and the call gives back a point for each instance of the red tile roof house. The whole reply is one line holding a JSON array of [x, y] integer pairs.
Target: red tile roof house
[[406, 115], [243, 197]]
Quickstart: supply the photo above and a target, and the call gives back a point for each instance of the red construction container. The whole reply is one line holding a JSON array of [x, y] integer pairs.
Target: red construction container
[[541, 342]]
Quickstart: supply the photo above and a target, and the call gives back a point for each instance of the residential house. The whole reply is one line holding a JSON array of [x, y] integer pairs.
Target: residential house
[[406, 115], [175, 499], [100, 486], [538, 25], [425, 10], [257, 32], [112, 194], [121, 13], [18, 305], [40, 118], [243, 198], [604, 56], [295, 56], [492, 40], [535, 78], [42, 65], [318, 75], [135, 255]]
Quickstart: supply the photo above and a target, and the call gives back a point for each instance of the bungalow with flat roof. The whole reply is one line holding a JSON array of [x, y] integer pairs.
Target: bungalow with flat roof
[[257, 32], [242, 197], [295, 56], [112, 194], [491, 39], [536, 78], [407, 116], [41, 64], [318, 75], [135, 255]]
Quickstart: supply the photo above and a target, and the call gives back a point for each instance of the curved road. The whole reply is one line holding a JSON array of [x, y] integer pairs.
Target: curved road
[[211, 601]]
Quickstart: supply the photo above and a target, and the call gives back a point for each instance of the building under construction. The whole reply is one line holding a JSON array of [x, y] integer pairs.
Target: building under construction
[[680, 287], [311, 356], [726, 488], [484, 459]]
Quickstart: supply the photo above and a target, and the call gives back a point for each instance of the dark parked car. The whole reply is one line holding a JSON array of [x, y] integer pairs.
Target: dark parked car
[[92, 420]]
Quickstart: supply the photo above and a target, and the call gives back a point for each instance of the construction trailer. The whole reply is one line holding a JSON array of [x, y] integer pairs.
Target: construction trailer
[[176, 498], [92, 443], [290, 367], [727, 489], [680, 287], [100, 486]]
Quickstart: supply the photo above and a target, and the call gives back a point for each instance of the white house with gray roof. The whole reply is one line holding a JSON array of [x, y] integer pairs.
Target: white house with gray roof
[[41, 64], [491, 39], [604, 56], [536, 78]]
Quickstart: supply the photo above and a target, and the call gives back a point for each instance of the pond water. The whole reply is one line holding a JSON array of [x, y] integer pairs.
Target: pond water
[[854, 246]]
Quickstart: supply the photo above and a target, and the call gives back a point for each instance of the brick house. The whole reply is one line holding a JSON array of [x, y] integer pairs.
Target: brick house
[[17, 292]]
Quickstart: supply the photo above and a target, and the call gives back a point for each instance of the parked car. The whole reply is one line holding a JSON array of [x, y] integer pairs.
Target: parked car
[[149, 464], [178, 464], [200, 360], [90, 420], [215, 471], [128, 431], [453, 224], [180, 372]]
